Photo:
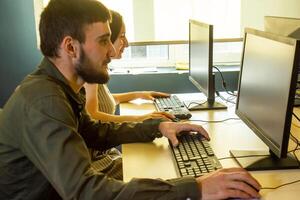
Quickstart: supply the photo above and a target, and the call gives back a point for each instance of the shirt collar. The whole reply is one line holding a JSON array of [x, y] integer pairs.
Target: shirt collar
[[48, 68]]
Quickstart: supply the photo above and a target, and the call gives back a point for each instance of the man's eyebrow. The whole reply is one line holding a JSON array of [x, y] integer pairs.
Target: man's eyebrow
[[105, 36]]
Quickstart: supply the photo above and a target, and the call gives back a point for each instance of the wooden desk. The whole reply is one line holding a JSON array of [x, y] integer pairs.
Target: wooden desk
[[154, 160]]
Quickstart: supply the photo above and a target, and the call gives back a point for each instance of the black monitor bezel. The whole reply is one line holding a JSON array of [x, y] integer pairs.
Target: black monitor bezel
[[210, 91], [282, 151]]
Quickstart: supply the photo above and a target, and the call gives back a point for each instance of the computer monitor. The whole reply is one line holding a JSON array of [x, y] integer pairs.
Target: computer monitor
[[265, 98], [285, 26], [201, 64]]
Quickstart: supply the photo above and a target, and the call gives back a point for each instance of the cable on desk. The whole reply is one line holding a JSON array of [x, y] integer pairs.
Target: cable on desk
[[194, 102], [213, 121], [223, 82], [279, 186], [223, 98], [294, 139], [230, 157], [231, 98], [296, 116], [295, 125], [294, 150]]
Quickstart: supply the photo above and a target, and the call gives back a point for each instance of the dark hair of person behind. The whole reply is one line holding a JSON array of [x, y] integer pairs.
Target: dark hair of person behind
[[115, 25], [68, 17]]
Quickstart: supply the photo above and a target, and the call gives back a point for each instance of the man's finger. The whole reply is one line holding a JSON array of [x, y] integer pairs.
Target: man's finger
[[174, 140], [160, 94], [158, 116], [168, 115], [197, 128], [244, 187], [246, 178]]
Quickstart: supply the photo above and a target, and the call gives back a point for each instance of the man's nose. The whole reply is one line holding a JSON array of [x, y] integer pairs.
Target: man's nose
[[125, 42], [112, 51]]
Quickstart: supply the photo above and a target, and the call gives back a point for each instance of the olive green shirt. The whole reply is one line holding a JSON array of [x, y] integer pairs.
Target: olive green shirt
[[45, 134]]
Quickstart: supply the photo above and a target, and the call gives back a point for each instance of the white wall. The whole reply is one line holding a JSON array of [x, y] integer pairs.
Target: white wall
[[253, 11], [167, 19], [143, 20], [223, 14]]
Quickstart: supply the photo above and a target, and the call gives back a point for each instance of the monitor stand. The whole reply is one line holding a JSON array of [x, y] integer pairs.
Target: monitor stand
[[264, 160], [196, 105], [210, 103]]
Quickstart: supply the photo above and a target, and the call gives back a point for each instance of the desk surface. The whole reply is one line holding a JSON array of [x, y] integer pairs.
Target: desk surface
[[154, 160]]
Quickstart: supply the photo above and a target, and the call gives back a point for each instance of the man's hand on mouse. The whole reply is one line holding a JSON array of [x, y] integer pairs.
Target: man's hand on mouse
[[228, 183]]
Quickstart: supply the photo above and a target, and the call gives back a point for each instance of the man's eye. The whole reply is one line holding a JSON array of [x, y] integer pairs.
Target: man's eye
[[104, 42]]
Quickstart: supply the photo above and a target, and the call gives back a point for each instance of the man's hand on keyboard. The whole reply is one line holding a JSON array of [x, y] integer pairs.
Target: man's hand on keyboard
[[172, 129], [156, 115], [151, 95], [228, 183]]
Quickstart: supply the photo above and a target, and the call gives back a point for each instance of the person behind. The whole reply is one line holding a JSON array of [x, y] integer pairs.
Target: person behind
[[100, 103], [45, 132]]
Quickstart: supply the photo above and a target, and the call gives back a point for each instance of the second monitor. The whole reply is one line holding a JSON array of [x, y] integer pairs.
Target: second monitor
[[201, 64], [266, 93]]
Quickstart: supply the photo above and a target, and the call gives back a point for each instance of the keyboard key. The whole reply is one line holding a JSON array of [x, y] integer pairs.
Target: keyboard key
[[194, 156], [173, 106]]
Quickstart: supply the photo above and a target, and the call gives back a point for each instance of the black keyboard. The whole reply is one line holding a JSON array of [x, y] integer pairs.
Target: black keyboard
[[172, 105], [194, 156]]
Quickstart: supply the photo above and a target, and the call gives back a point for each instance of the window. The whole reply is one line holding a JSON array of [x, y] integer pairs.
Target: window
[[145, 56], [165, 20], [170, 55]]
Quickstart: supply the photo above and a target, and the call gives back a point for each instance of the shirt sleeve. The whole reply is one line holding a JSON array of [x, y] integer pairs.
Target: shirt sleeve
[[51, 141], [102, 136]]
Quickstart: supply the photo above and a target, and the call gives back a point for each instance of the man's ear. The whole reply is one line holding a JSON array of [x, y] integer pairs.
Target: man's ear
[[70, 46]]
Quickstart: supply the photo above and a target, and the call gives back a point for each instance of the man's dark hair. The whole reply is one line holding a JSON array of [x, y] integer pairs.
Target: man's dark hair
[[115, 25], [68, 17]]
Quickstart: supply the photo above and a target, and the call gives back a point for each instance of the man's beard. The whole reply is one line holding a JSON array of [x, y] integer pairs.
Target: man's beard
[[84, 68]]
